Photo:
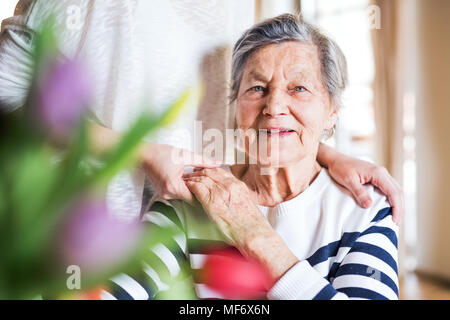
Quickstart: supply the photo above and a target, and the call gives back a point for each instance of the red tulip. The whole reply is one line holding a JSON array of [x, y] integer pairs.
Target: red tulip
[[235, 277], [94, 294]]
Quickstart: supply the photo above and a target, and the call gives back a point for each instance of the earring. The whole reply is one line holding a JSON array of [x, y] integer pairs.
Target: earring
[[327, 133]]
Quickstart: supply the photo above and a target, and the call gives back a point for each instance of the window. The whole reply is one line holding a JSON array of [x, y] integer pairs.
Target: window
[[7, 8], [347, 22]]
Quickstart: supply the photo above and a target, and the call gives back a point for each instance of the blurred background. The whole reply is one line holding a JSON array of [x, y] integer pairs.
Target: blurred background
[[397, 112]]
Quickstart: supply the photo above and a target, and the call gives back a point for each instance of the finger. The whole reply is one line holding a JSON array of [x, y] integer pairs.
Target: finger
[[185, 194], [174, 192], [203, 179], [397, 202], [198, 172], [216, 190], [218, 175], [360, 194], [207, 181], [195, 160], [199, 190], [393, 193], [397, 213], [204, 194]]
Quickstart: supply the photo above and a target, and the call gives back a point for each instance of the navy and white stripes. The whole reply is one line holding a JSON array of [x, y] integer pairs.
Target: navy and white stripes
[[360, 261]]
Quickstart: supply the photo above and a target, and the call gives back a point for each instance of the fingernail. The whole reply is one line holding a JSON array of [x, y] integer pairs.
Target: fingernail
[[366, 203]]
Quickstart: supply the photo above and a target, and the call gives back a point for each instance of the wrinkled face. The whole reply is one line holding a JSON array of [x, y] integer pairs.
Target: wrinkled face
[[282, 97]]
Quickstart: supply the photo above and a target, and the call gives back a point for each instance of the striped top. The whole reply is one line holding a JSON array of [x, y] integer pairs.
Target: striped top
[[344, 251]]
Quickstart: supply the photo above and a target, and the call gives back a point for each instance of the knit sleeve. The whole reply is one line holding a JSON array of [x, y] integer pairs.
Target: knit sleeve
[[368, 271], [16, 65], [17, 44]]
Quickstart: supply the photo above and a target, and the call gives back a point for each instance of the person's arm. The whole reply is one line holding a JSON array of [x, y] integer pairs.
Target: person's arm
[[165, 266], [368, 271], [17, 44], [16, 64], [352, 174], [157, 160]]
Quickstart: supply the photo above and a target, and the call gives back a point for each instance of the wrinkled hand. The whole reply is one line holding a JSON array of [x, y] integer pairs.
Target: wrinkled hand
[[353, 174], [165, 165], [229, 204]]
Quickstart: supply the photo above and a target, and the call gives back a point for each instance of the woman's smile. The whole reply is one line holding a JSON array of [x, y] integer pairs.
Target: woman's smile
[[280, 132]]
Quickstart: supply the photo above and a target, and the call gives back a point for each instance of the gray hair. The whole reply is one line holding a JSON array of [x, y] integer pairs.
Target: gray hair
[[288, 27]]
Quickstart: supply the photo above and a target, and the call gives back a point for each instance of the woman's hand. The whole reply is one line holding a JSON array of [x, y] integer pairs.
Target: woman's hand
[[165, 165], [353, 174], [229, 204]]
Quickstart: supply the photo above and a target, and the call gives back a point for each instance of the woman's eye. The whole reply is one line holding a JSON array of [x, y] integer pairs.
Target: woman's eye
[[300, 89], [258, 89]]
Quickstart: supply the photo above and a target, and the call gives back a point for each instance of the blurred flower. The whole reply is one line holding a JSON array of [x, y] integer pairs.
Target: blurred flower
[[63, 94], [235, 277], [93, 294], [94, 240]]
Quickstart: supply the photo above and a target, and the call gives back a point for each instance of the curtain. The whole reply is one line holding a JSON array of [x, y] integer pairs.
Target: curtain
[[388, 87]]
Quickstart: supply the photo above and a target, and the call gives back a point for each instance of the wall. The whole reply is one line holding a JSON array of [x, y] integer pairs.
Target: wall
[[433, 134]]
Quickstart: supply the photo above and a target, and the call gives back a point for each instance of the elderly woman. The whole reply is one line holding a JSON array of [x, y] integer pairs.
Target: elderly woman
[[312, 238], [152, 61]]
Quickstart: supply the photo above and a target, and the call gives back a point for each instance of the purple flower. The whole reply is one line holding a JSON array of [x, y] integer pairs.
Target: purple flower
[[93, 239], [63, 93]]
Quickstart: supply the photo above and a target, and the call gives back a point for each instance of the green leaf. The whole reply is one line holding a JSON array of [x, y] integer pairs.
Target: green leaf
[[46, 44], [45, 52], [74, 177], [173, 112], [35, 177]]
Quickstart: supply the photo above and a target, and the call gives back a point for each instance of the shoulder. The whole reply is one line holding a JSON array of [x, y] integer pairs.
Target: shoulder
[[31, 13], [68, 18], [349, 215]]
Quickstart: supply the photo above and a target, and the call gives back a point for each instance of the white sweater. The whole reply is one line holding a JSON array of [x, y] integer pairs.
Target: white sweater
[[141, 53], [344, 251]]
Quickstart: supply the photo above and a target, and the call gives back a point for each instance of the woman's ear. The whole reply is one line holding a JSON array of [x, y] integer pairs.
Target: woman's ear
[[332, 117]]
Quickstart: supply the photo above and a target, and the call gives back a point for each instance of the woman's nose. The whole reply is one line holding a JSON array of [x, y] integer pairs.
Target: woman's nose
[[276, 104]]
